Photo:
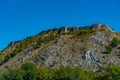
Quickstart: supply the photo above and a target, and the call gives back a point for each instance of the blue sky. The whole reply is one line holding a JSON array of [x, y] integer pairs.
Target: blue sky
[[21, 18]]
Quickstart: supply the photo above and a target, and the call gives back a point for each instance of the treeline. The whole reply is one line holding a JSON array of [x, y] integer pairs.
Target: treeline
[[29, 71]]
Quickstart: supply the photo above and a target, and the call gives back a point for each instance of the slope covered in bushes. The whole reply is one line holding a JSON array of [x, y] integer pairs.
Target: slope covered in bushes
[[29, 71]]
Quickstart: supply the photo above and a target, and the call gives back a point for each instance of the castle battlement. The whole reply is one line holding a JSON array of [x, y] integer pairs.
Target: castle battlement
[[97, 27], [68, 29]]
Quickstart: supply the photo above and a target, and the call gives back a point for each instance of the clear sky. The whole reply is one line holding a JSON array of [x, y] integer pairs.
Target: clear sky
[[21, 18]]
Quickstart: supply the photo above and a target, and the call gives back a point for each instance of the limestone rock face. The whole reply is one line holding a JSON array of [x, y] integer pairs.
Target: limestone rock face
[[87, 50], [89, 57]]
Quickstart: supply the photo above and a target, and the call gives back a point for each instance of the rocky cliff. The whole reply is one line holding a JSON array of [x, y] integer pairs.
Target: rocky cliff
[[91, 48]]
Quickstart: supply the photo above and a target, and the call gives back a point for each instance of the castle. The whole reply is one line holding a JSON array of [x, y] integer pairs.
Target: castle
[[68, 29], [97, 27]]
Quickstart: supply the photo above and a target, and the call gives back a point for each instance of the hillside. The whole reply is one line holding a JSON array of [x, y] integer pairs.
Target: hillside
[[91, 47]]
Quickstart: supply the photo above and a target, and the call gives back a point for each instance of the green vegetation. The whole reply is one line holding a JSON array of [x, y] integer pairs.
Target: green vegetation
[[35, 42], [79, 32], [84, 31], [113, 72], [29, 71], [49, 37], [115, 42], [12, 74], [109, 48]]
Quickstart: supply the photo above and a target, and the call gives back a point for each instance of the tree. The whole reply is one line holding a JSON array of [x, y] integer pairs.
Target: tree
[[113, 73], [45, 73], [30, 71], [12, 74]]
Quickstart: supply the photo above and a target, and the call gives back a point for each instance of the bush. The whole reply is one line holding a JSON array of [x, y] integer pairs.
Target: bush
[[44, 73], [113, 73], [12, 74], [9, 56], [80, 32], [50, 37], [6, 58], [30, 71], [109, 48], [115, 42]]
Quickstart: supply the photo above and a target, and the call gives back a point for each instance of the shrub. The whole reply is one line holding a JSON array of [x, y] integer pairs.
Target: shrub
[[80, 32], [30, 71], [50, 37], [45, 73], [115, 42], [12, 74], [6, 58], [113, 73], [109, 48]]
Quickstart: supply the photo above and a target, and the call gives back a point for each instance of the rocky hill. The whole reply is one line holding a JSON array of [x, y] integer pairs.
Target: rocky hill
[[91, 47]]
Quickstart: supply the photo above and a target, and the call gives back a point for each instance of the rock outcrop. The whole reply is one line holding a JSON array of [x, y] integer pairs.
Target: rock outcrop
[[54, 49]]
